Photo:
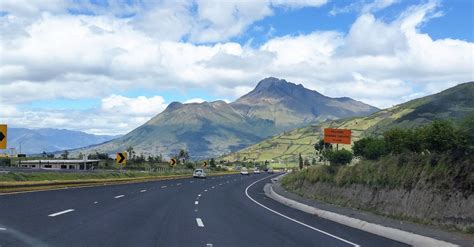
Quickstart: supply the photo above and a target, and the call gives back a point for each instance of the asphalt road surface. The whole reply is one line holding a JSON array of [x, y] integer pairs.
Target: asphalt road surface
[[229, 210]]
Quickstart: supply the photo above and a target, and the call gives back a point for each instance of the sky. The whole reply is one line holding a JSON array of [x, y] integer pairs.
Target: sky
[[106, 67]]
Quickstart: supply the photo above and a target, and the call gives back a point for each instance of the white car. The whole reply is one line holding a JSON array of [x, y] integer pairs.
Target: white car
[[270, 171], [244, 171], [199, 173], [256, 171]]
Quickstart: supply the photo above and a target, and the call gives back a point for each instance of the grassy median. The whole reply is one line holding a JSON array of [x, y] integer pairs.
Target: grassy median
[[30, 181]]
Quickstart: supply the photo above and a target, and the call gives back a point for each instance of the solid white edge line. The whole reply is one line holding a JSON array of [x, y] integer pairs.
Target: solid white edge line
[[289, 218], [119, 196], [3, 229], [62, 212], [199, 222]]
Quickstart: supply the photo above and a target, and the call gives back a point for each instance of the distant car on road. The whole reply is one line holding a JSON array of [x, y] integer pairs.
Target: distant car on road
[[256, 171], [199, 173], [244, 171], [270, 171]]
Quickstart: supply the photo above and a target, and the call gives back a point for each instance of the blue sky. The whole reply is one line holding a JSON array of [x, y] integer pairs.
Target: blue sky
[[78, 62]]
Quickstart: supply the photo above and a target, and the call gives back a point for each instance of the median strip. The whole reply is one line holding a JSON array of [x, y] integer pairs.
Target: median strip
[[62, 212]]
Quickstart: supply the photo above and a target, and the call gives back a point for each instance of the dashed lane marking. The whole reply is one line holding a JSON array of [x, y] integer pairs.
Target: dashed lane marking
[[199, 222], [120, 196], [62, 212]]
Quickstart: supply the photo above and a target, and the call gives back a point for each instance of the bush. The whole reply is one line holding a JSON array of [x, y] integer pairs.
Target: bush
[[370, 148], [338, 157], [441, 136]]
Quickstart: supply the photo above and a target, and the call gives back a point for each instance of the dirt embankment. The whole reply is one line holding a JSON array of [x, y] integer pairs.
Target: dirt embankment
[[424, 205]]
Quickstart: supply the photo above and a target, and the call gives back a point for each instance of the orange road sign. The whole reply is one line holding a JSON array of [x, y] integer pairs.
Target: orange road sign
[[3, 136], [339, 136]]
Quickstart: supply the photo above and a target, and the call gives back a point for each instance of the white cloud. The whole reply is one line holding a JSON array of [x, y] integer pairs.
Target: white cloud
[[194, 100], [363, 7], [58, 55], [139, 106]]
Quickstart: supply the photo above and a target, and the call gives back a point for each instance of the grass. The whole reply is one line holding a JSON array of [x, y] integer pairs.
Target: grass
[[21, 181], [402, 171]]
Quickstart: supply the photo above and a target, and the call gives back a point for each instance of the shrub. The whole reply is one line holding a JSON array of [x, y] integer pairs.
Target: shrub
[[370, 148], [339, 157]]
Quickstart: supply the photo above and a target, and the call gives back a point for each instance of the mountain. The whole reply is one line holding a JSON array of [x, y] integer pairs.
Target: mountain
[[289, 105], [34, 141], [454, 103], [210, 129]]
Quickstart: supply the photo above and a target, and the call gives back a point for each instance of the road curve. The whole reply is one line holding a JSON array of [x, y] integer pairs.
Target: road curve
[[229, 210]]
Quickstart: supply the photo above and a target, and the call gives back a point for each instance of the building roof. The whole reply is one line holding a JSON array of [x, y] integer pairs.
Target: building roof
[[58, 161]]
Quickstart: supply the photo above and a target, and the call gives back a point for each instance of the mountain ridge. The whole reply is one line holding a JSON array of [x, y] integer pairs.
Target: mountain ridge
[[454, 103], [209, 129]]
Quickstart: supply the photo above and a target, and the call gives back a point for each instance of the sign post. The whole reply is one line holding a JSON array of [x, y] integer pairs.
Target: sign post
[[121, 159], [337, 136], [3, 136], [173, 163]]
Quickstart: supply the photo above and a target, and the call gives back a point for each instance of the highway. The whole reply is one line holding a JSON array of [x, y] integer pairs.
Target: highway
[[229, 210]]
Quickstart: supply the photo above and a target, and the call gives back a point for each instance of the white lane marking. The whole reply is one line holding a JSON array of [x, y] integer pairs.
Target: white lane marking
[[289, 218], [164, 186], [209, 245], [199, 222], [96, 202], [220, 184], [62, 212], [142, 191], [213, 187], [119, 196], [191, 182], [178, 184], [199, 195], [3, 229], [196, 202], [205, 190]]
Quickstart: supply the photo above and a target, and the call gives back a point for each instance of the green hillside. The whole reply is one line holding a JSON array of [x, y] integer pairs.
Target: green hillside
[[210, 129], [454, 103]]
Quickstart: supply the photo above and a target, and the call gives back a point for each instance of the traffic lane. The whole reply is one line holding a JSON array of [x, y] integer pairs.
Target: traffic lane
[[252, 225], [352, 234], [22, 203], [232, 219], [26, 221]]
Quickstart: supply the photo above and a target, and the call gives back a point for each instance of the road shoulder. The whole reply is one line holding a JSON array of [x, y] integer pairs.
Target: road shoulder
[[402, 231]]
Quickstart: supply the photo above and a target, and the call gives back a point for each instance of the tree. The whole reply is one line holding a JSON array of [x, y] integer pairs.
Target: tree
[[301, 162], [370, 148], [396, 139], [131, 153], [65, 154], [183, 155], [44, 154], [440, 136], [306, 162], [313, 161], [321, 145], [212, 163], [339, 157]]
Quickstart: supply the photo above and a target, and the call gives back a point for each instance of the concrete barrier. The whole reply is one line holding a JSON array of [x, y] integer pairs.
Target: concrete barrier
[[387, 232]]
